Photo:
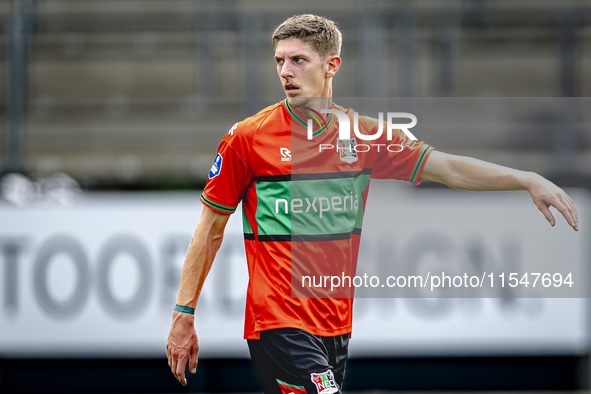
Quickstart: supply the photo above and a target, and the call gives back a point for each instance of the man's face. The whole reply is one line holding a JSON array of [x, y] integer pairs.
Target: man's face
[[301, 71]]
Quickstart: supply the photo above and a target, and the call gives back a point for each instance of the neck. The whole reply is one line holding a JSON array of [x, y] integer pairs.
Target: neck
[[320, 103], [325, 102]]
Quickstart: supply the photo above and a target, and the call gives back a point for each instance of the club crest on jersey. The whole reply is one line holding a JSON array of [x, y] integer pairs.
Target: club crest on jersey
[[325, 383], [216, 167], [347, 151]]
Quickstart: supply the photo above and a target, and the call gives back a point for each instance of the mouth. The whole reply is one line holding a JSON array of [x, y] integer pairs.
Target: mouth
[[291, 89]]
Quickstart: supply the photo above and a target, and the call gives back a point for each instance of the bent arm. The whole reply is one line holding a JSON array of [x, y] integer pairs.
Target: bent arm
[[467, 173]]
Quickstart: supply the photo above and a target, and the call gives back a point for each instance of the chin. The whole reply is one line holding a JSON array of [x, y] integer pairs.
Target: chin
[[298, 101]]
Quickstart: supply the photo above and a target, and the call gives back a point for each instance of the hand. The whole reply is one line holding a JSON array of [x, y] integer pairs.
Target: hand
[[182, 345], [545, 194]]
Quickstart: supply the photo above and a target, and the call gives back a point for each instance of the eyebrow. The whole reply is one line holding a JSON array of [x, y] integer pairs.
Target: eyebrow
[[297, 55]]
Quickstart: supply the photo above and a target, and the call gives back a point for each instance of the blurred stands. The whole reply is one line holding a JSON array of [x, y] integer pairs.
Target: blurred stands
[[129, 91]]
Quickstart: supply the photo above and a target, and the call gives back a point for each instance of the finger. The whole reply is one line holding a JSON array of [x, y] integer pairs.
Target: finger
[[193, 364], [574, 207], [543, 207], [168, 355], [181, 378], [572, 221], [574, 212], [571, 211], [173, 365], [564, 211], [572, 202], [180, 370]]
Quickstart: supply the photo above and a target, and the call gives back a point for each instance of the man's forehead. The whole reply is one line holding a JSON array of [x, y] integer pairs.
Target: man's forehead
[[292, 46]]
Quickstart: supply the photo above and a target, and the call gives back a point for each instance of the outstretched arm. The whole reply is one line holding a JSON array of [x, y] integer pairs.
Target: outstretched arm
[[182, 341], [466, 173]]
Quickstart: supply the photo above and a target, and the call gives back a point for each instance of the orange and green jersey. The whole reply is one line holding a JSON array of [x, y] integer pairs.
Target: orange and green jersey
[[303, 209]]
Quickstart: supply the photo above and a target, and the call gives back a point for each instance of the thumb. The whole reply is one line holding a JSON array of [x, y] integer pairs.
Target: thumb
[[193, 363]]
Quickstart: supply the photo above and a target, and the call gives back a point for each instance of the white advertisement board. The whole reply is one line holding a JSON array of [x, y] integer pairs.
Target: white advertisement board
[[99, 278]]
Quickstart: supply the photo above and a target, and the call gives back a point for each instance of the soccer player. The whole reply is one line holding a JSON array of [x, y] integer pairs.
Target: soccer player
[[299, 344]]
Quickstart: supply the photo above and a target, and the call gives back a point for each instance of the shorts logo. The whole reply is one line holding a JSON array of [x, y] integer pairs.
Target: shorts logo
[[288, 388], [347, 151], [285, 154], [216, 167], [325, 383]]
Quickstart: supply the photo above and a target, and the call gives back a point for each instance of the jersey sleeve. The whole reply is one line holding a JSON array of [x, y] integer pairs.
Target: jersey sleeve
[[229, 176], [401, 158]]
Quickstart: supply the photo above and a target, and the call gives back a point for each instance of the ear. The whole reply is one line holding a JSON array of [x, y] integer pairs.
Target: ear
[[333, 63]]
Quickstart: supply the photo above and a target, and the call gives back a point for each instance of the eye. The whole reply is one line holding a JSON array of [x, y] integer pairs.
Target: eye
[[298, 59], [279, 61]]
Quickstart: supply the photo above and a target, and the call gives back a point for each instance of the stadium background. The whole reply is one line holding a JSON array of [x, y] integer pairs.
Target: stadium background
[[114, 99]]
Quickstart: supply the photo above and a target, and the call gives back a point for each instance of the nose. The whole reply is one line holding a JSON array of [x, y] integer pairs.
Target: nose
[[286, 71]]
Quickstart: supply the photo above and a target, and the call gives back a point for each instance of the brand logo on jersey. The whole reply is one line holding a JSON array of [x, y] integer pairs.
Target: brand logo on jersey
[[347, 151], [325, 204], [325, 383], [231, 132], [285, 154], [216, 167]]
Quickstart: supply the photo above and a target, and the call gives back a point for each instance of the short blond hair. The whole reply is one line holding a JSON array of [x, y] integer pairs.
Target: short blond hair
[[321, 33]]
